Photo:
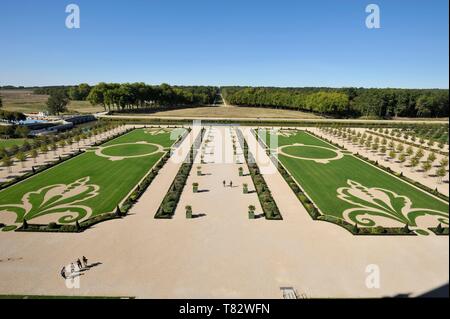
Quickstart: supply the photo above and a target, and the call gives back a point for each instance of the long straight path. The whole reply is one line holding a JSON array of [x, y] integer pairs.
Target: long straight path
[[216, 202]]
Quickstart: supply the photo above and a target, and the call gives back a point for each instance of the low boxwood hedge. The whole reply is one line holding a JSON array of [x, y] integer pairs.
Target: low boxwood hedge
[[440, 230], [270, 208], [170, 202]]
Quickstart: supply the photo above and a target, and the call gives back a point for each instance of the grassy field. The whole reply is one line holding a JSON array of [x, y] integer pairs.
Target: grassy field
[[85, 186], [235, 112], [26, 102], [10, 142], [354, 190]]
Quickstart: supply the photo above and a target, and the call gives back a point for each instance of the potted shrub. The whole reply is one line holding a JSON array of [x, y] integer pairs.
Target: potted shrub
[[52, 226], [195, 187], [245, 188], [241, 171], [118, 212], [439, 229], [199, 171], [188, 212], [251, 212]]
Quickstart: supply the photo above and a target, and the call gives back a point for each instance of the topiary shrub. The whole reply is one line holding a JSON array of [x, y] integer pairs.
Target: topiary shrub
[[379, 230], [302, 198], [406, 230], [53, 226]]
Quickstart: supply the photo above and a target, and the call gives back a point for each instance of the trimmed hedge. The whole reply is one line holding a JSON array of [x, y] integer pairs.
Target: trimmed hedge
[[170, 202], [268, 204], [440, 230]]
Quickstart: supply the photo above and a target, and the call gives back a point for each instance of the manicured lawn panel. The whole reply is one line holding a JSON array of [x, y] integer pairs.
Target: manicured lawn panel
[[321, 181], [308, 152], [114, 178], [130, 150]]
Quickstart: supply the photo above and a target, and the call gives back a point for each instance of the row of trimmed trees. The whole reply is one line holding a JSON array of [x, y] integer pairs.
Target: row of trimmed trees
[[348, 102], [45, 144], [437, 137], [393, 151]]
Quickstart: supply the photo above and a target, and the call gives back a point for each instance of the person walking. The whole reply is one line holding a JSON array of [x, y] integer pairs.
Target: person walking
[[72, 268], [85, 261], [63, 273], [231, 184], [80, 265], [224, 184]]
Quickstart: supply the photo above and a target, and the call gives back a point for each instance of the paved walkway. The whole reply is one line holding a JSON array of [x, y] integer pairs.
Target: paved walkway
[[223, 254], [221, 205]]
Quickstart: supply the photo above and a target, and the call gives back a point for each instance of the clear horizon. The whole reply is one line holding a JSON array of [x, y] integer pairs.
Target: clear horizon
[[227, 43]]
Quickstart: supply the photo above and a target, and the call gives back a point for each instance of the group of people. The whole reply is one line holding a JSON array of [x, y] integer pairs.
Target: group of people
[[75, 266], [230, 184]]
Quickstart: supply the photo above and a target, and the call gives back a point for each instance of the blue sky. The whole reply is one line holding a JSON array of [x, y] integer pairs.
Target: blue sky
[[226, 42]]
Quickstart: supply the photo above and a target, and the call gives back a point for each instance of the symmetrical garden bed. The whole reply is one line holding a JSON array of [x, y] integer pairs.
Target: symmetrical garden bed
[[89, 188], [352, 193]]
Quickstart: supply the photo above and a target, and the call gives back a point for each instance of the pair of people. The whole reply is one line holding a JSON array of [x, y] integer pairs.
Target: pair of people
[[225, 184], [81, 263]]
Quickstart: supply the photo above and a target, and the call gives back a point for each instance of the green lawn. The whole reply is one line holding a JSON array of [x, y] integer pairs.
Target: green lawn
[[368, 196], [85, 186], [130, 149], [309, 152], [10, 142]]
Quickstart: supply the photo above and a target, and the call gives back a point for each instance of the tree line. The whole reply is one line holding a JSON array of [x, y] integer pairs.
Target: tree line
[[345, 102], [127, 96], [12, 117], [75, 93]]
